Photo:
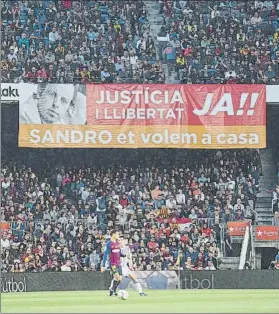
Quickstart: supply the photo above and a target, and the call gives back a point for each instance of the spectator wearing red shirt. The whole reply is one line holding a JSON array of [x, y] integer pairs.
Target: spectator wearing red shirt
[[188, 51], [206, 230], [66, 179], [32, 75], [41, 74], [67, 4], [123, 201], [185, 238], [152, 245]]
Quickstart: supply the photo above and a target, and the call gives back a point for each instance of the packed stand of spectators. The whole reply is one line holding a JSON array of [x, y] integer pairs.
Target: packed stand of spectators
[[221, 41], [77, 41], [60, 216]]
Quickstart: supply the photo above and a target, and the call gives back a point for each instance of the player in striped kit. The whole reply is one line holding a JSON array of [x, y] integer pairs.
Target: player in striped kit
[[112, 254], [126, 265]]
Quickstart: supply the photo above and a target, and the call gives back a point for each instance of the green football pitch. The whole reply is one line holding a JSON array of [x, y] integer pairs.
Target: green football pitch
[[163, 301]]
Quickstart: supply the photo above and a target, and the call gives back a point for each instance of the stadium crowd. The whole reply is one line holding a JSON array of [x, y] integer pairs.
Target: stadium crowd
[[77, 41], [171, 205], [222, 41], [110, 41]]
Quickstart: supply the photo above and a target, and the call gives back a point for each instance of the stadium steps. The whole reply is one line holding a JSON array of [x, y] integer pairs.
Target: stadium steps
[[264, 210], [269, 173], [229, 263], [267, 183], [156, 21]]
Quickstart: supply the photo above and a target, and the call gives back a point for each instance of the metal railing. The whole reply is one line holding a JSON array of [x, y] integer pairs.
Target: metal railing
[[252, 239], [244, 248], [256, 216]]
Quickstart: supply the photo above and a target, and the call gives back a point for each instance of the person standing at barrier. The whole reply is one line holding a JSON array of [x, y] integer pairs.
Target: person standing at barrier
[[112, 254], [126, 264]]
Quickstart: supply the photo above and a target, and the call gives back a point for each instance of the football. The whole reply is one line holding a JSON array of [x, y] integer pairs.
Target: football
[[123, 294]]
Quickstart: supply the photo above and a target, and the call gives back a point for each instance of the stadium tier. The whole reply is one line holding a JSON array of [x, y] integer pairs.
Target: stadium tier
[[170, 212], [121, 41]]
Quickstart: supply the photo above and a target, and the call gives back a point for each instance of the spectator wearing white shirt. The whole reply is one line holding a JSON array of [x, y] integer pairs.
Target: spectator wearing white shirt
[[180, 198], [238, 205], [133, 58], [5, 243], [202, 178], [84, 193], [6, 183], [92, 220], [53, 36], [12, 55], [231, 184], [230, 74], [67, 266], [256, 19], [38, 193], [210, 266], [122, 217], [94, 260], [114, 195], [171, 202], [229, 205], [193, 214], [215, 12], [268, 4], [49, 57]]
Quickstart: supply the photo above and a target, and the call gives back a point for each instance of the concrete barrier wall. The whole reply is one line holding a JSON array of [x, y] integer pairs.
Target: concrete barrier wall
[[29, 282], [231, 279]]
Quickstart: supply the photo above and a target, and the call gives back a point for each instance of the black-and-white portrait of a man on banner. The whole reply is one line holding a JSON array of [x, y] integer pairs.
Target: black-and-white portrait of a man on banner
[[53, 104]]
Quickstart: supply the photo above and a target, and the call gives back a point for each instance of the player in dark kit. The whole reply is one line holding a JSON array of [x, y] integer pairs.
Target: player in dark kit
[[112, 253]]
